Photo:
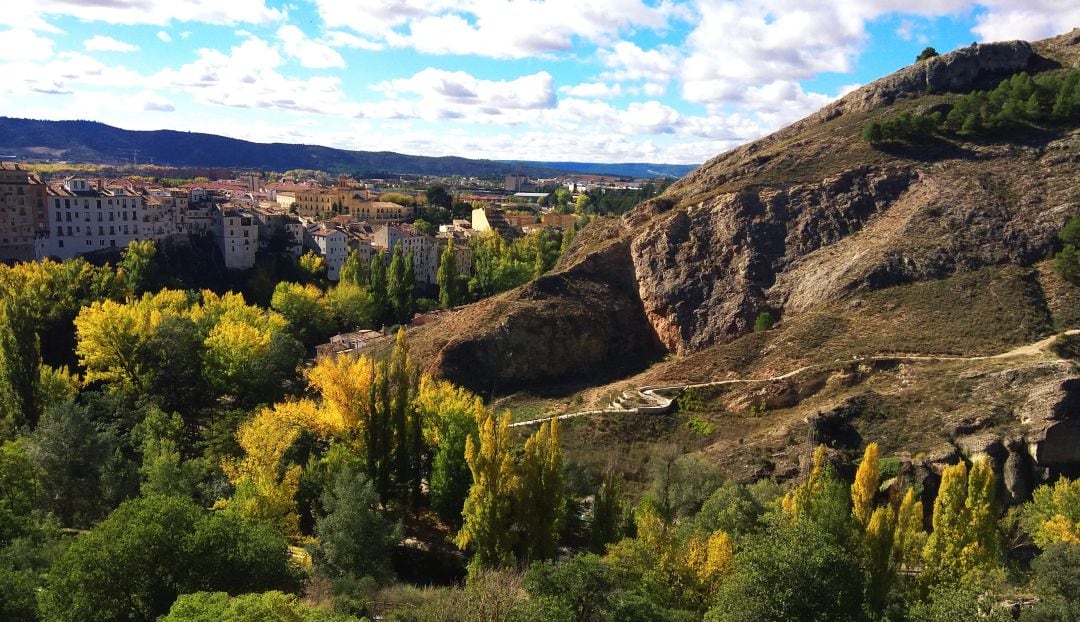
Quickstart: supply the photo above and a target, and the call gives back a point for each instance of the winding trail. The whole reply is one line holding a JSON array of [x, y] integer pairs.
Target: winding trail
[[646, 401]]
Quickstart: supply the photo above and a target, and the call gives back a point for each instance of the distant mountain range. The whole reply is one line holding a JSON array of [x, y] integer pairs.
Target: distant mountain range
[[92, 142]]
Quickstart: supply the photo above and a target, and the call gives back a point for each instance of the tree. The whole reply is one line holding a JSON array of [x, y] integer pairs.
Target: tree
[[731, 509], [1053, 514], [580, 586], [307, 310], [379, 287], [136, 263], [873, 133], [450, 415], [397, 290], [410, 287], [355, 271], [272, 606], [69, 452], [313, 267], [353, 306], [541, 497], [19, 489], [163, 470], [487, 511], [763, 322], [447, 277], [20, 362], [865, 487], [134, 564], [927, 53], [796, 573], [1067, 263], [607, 513], [1057, 580], [438, 196], [964, 537], [355, 539]]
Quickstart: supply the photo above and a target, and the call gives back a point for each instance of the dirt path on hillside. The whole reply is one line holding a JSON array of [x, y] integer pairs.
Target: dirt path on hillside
[[655, 404]]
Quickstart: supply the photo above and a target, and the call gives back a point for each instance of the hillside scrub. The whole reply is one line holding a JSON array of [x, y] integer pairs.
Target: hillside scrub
[[1016, 102]]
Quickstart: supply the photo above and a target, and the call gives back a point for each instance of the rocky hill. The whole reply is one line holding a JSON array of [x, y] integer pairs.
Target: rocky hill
[[935, 249]]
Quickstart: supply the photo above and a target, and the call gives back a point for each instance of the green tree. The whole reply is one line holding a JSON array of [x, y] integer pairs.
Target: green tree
[[541, 496], [964, 537], [355, 271], [355, 539], [1056, 579], [439, 197], [447, 277], [20, 362], [136, 264], [396, 288], [265, 607], [487, 513], [164, 472], [307, 310], [134, 564], [607, 513], [410, 287], [450, 414], [927, 53], [19, 489], [1053, 514], [69, 453], [763, 322], [379, 287], [731, 509], [352, 306], [791, 574], [580, 586], [1067, 263]]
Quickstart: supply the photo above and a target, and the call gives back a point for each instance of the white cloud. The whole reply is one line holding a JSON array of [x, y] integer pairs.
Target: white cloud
[[101, 43], [21, 44], [152, 102], [309, 53], [247, 77], [453, 94], [596, 90], [493, 28], [339, 39], [164, 36], [1030, 19], [162, 12], [63, 74]]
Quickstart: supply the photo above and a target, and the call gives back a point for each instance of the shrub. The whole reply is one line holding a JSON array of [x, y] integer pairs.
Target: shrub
[[927, 53], [764, 321]]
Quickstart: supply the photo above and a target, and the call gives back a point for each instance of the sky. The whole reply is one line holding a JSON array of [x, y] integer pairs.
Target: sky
[[671, 81]]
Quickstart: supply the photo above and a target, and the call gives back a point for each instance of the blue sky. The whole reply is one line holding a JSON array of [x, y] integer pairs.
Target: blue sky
[[592, 80]]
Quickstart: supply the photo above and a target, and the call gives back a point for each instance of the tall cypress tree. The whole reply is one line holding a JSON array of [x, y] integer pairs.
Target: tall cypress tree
[[410, 288], [395, 285], [541, 495], [20, 364], [378, 287], [401, 381], [447, 277]]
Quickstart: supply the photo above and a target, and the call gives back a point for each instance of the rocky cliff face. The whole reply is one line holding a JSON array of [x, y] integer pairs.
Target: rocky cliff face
[[803, 219]]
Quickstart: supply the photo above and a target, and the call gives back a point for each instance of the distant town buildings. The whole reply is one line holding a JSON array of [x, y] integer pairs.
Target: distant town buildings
[[22, 212]]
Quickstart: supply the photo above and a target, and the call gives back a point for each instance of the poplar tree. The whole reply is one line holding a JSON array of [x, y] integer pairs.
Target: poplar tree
[[881, 568], [607, 513], [447, 277], [378, 287], [984, 548], [487, 511], [943, 547], [409, 285], [355, 271], [909, 537], [20, 363], [865, 487], [541, 498], [395, 286]]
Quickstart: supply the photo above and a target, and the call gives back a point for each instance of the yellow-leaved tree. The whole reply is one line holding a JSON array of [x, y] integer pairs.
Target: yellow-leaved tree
[[541, 496], [1053, 514], [265, 488], [797, 502], [865, 487], [487, 528], [964, 537]]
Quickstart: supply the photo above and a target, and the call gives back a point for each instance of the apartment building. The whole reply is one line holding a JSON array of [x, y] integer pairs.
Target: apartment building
[[423, 247], [85, 217], [22, 212], [237, 235], [333, 245]]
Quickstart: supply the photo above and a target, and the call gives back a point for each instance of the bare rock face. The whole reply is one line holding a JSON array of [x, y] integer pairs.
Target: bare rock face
[[1052, 416]]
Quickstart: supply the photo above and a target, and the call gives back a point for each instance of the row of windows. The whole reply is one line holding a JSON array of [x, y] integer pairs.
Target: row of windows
[[101, 230], [66, 216], [86, 203], [112, 243]]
